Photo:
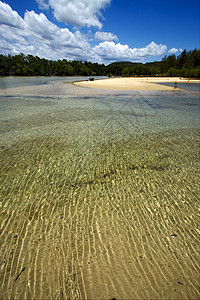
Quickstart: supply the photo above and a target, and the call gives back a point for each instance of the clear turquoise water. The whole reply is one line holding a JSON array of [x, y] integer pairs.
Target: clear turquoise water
[[89, 177]]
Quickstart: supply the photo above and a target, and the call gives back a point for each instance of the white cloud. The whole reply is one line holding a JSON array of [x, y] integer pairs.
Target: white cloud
[[11, 35], [40, 25], [181, 50], [153, 50], [105, 36], [43, 4], [112, 51], [9, 16], [40, 37], [36, 35], [15, 48], [173, 50], [5, 46], [40, 28], [76, 12]]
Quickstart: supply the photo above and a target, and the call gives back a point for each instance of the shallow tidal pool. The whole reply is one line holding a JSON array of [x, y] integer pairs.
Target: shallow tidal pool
[[99, 192]]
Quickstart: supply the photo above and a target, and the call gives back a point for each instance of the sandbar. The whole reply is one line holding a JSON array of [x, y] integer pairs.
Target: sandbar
[[136, 83]]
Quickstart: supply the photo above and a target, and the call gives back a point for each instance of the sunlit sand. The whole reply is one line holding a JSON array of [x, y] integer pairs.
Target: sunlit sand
[[135, 83]]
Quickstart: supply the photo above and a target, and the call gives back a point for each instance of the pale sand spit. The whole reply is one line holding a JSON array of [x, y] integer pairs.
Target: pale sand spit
[[135, 83]]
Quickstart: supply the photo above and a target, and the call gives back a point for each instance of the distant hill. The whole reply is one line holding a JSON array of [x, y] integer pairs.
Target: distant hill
[[155, 64], [124, 64]]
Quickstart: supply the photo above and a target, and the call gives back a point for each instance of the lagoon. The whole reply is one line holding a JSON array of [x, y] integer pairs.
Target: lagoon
[[99, 191]]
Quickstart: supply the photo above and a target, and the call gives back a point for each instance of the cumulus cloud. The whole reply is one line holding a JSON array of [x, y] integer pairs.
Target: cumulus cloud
[[76, 12], [112, 51], [40, 25], [153, 50], [173, 50], [9, 16], [105, 36], [11, 35], [39, 37], [35, 34]]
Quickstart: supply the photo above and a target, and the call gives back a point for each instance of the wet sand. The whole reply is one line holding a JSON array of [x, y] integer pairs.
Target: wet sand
[[94, 203], [135, 83]]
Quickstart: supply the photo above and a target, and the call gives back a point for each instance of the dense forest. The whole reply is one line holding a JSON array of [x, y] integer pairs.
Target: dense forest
[[187, 64]]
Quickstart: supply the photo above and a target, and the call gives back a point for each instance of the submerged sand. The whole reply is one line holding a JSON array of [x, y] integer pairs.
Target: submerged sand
[[135, 83], [91, 208]]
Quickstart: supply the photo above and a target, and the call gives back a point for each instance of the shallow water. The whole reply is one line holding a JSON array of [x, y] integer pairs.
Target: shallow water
[[99, 194], [185, 86], [16, 81]]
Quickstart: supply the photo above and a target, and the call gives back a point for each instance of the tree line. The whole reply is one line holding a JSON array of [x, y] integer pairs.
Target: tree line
[[187, 64]]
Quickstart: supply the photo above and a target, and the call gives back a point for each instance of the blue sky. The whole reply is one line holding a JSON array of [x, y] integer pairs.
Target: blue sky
[[99, 30]]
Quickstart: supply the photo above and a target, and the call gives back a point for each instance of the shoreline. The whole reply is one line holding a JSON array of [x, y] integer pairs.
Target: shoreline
[[136, 83]]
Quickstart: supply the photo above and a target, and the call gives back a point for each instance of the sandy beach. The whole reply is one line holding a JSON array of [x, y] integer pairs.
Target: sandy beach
[[136, 83]]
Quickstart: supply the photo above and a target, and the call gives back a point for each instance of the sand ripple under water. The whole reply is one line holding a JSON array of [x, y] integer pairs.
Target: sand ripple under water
[[95, 212]]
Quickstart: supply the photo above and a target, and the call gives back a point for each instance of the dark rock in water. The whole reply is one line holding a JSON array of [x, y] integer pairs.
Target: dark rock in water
[[91, 79]]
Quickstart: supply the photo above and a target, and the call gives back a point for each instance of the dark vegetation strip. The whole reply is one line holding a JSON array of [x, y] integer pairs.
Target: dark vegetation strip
[[187, 64]]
